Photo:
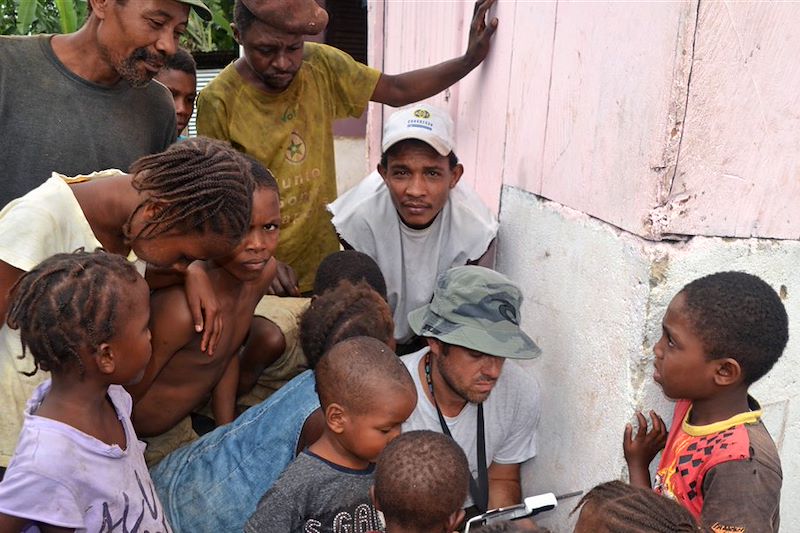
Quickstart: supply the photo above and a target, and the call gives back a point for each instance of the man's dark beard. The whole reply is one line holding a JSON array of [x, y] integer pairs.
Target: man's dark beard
[[128, 71]]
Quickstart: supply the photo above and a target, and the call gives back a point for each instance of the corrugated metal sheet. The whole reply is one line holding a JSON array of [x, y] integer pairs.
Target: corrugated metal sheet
[[203, 77]]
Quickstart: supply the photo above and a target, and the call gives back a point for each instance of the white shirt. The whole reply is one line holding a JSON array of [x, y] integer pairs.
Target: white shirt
[[46, 221], [510, 414], [410, 259]]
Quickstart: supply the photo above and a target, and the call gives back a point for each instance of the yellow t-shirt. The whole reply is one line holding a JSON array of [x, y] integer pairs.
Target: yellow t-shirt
[[291, 133]]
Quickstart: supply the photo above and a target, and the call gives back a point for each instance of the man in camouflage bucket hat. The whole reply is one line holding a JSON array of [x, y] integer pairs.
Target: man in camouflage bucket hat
[[467, 389]]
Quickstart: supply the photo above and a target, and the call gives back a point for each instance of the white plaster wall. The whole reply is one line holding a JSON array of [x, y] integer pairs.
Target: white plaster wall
[[594, 300], [351, 161]]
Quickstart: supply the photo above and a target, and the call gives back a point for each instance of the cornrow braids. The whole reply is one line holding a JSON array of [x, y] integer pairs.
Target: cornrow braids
[[347, 310], [509, 526], [67, 305], [262, 176], [623, 508], [200, 185]]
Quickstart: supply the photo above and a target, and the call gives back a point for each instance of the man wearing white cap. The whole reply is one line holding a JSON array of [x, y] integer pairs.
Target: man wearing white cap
[[412, 216]]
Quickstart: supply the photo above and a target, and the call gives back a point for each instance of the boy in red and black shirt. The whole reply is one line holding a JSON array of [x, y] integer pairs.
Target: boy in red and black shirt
[[721, 333]]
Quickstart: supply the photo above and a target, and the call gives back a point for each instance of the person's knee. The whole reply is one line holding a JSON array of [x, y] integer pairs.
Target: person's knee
[[266, 337]]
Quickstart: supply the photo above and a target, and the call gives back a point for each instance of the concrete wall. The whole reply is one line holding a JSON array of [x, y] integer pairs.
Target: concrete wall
[[351, 161], [618, 142], [594, 300]]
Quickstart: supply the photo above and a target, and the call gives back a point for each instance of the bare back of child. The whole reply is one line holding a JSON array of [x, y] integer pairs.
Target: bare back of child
[[181, 377]]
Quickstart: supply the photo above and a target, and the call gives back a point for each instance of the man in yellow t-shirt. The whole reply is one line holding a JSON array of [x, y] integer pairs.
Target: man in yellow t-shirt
[[279, 101]]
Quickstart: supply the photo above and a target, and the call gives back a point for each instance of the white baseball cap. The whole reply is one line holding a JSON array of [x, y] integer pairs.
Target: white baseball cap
[[420, 121]]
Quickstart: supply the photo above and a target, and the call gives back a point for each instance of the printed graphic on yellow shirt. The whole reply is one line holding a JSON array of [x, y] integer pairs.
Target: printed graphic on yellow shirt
[[296, 151]]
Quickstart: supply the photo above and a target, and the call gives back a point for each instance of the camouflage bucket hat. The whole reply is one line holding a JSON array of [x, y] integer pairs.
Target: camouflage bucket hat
[[478, 309]]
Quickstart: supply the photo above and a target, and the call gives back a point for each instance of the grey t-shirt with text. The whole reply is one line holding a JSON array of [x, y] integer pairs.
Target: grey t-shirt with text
[[316, 496]]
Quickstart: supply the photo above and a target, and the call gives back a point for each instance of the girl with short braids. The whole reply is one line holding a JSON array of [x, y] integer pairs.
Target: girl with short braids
[[78, 465]]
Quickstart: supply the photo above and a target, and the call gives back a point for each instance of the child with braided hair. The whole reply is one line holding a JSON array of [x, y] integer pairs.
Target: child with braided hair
[[192, 201], [616, 507], [180, 377], [78, 465]]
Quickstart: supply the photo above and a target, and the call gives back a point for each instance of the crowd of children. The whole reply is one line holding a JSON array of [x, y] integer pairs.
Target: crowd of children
[[139, 304]]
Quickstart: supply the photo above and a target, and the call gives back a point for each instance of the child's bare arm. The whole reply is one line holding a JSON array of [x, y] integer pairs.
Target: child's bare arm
[[11, 523], [223, 397], [640, 449], [172, 328], [200, 297]]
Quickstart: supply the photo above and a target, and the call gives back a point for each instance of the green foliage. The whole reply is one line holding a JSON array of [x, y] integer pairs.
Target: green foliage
[[24, 17], [28, 17], [204, 36]]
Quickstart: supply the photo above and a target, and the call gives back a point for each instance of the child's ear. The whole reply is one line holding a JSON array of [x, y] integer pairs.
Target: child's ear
[[152, 209], [382, 171], [728, 372], [335, 418], [104, 358], [455, 520]]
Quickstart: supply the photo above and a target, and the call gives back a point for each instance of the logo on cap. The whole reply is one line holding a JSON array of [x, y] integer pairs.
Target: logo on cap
[[421, 113]]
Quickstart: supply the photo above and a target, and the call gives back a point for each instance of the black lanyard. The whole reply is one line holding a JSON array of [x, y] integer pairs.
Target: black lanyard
[[479, 490]]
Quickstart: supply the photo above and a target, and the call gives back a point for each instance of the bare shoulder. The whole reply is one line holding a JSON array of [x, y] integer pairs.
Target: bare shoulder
[[170, 314]]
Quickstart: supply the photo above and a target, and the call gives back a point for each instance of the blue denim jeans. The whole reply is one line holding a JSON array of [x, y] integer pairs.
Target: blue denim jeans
[[215, 483]]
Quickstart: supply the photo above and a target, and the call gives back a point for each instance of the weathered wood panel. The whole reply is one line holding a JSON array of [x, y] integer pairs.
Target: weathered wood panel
[[528, 87], [616, 97], [586, 104], [738, 171]]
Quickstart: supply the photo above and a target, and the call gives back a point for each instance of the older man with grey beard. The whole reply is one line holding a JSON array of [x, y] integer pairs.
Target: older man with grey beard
[[84, 101]]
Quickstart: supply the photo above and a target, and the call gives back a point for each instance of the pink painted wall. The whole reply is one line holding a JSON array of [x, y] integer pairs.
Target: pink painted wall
[[662, 118]]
